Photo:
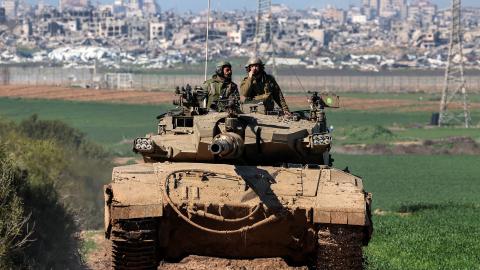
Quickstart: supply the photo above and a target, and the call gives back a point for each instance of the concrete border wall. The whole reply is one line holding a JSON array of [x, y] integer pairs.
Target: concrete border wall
[[341, 82]]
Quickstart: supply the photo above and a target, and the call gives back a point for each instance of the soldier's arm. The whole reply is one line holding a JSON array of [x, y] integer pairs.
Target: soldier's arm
[[278, 96], [246, 87], [207, 86]]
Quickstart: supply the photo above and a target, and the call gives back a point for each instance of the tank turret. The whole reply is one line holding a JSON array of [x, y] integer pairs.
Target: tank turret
[[190, 133]]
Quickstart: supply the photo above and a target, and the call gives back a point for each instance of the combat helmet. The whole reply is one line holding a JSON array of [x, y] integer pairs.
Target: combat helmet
[[220, 65], [254, 61]]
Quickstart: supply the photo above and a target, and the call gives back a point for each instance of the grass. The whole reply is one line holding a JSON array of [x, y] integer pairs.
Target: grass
[[437, 133], [438, 196], [342, 118], [371, 134], [367, 127], [445, 237], [416, 179], [88, 244]]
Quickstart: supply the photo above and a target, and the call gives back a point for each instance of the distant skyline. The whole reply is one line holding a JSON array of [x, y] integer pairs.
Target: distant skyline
[[198, 5]]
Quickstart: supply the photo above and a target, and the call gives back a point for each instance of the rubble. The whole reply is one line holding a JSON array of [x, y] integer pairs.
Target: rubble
[[413, 36]]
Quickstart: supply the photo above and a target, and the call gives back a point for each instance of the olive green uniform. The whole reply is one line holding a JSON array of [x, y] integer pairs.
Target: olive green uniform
[[218, 87], [264, 88]]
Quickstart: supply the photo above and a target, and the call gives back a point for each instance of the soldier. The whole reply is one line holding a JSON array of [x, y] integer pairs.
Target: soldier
[[260, 86], [220, 87]]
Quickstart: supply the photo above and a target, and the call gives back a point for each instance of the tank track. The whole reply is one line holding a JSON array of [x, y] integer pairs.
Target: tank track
[[134, 244], [340, 248]]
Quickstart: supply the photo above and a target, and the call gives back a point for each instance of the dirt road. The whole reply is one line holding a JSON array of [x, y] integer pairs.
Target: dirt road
[[81, 94], [149, 97], [100, 258]]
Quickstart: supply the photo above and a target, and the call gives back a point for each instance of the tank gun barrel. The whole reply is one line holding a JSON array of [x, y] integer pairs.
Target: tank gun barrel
[[227, 145]]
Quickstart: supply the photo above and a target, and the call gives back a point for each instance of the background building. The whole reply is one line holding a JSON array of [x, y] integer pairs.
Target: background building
[[73, 4], [11, 9]]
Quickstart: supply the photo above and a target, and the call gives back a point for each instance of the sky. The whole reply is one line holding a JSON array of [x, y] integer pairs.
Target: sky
[[197, 5]]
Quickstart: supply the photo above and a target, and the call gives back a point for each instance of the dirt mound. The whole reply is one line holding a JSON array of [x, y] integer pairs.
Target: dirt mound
[[209, 263], [447, 146]]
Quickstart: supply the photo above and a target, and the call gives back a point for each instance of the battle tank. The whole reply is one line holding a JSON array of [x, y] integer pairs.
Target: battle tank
[[237, 182]]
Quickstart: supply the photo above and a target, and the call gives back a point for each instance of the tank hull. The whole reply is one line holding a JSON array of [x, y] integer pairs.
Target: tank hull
[[166, 211]]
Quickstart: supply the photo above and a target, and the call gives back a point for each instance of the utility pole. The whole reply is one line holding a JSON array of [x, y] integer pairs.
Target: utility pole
[[263, 33], [454, 90]]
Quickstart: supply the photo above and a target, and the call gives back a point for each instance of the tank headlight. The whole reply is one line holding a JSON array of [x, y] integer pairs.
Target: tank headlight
[[143, 145], [321, 139]]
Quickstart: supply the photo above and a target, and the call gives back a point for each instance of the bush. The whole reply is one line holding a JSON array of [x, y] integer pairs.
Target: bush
[[51, 180], [77, 168], [14, 232], [366, 134], [63, 134]]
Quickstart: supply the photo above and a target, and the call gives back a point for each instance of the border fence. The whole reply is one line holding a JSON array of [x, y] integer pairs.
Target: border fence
[[337, 81]]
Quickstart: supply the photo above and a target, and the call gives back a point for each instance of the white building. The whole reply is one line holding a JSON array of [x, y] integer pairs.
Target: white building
[[157, 30], [359, 18], [237, 36]]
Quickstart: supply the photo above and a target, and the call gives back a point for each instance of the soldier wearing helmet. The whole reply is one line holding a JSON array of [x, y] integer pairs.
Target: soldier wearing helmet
[[260, 86], [220, 86]]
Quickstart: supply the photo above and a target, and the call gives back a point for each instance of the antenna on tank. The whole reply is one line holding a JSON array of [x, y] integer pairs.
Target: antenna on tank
[[206, 39]]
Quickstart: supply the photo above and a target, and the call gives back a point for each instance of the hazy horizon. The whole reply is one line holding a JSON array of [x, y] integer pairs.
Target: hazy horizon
[[198, 5]]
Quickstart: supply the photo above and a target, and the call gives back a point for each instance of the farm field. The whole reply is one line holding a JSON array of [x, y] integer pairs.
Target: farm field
[[426, 207], [115, 124], [426, 210], [110, 124]]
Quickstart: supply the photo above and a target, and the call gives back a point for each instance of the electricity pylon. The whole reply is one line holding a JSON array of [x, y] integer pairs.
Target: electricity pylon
[[454, 90], [263, 25], [264, 45]]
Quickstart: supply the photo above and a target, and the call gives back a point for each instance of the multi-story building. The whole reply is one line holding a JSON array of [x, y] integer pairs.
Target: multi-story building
[[304, 33], [112, 27], [157, 30], [11, 9], [334, 14], [247, 26], [236, 37], [422, 12]]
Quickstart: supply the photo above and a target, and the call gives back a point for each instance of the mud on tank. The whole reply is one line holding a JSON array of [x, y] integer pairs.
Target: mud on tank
[[237, 183]]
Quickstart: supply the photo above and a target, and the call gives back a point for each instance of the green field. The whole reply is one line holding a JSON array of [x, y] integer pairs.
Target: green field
[[431, 206], [112, 125], [427, 206]]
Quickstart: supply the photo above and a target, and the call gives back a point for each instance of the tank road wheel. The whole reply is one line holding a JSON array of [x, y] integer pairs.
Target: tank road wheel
[[134, 244], [339, 248]]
